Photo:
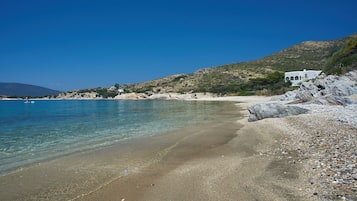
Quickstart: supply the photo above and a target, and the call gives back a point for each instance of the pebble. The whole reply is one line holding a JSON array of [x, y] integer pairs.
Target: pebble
[[327, 138]]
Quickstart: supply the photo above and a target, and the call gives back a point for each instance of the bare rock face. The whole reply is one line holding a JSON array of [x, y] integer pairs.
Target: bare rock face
[[304, 95], [164, 96], [273, 110], [332, 100], [131, 96], [325, 90]]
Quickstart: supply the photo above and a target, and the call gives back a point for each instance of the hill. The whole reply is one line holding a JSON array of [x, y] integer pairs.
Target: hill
[[335, 56], [264, 76], [24, 90]]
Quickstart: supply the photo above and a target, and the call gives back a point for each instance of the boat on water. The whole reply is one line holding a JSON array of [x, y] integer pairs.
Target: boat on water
[[28, 101]]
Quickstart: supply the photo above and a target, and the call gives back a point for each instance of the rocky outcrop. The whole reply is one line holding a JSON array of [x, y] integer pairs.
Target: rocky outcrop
[[273, 110], [75, 95], [331, 100], [325, 90], [131, 96]]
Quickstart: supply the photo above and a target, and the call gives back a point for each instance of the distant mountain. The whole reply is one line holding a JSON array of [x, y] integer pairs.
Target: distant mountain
[[24, 90]]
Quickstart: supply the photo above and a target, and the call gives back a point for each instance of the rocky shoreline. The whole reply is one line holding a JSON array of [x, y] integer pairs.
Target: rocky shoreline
[[324, 139]]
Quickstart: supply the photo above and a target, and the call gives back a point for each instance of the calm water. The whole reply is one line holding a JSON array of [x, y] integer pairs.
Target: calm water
[[30, 133]]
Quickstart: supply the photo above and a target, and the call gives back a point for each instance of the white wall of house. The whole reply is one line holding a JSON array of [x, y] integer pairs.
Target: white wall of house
[[120, 91], [297, 77]]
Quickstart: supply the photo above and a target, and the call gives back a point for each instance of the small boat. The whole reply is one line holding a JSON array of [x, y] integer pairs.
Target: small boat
[[27, 101]]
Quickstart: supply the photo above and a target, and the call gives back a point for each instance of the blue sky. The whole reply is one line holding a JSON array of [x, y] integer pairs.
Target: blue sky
[[75, 44]]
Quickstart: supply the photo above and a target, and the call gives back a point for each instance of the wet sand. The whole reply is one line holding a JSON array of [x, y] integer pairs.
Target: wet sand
[[228, 159], [229, 162]]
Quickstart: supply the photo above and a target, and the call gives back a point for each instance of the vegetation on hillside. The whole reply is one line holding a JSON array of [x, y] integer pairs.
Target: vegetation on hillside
[[307, 55], [344, 59], [101, 92], [272, 84], [259, 77], [253, 77]]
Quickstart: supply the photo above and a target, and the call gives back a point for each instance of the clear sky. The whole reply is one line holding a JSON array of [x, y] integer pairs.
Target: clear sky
[[75, 44]]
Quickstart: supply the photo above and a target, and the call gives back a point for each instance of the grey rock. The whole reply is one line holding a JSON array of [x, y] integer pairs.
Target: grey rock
[[331, 100], [325, 90], [304, 95], [288, 96], [273, 110]]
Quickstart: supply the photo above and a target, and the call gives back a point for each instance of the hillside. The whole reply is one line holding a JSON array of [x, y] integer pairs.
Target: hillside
[[344, 59], [325, 55], [264, 76], [24, 90]]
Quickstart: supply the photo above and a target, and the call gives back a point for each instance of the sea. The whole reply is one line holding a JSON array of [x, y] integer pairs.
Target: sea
[[42, 130]]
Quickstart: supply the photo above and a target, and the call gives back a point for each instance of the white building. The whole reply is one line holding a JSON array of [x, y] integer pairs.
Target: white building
[[120, 91], [297, 77]]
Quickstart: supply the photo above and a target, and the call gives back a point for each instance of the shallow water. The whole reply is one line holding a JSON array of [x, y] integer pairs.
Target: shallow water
[[31, 133], [96, 160]]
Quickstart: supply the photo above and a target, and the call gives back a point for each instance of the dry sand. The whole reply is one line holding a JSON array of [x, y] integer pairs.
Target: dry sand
[[229, 159]]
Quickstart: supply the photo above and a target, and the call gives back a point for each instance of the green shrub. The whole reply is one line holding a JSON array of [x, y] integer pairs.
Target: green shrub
[[344, 59], [272, 84], [178, 78], [105, 93]]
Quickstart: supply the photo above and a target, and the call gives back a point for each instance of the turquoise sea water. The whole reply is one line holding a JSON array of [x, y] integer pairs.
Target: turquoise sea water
[[31, 133]]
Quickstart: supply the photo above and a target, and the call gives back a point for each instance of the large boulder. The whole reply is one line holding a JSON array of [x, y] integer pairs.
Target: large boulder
[[273, 110]]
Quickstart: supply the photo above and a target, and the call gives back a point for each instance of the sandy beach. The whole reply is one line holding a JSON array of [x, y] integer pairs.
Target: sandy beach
[[235, 160], [227, 159], [305, 157]]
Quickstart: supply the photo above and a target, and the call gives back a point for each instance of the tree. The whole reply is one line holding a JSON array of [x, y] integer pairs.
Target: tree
[[117, 86]]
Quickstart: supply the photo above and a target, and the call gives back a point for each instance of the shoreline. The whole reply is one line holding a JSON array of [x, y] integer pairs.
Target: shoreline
[[270, 159], [84, 171], [242, 168], [246, 166], [156, 96]]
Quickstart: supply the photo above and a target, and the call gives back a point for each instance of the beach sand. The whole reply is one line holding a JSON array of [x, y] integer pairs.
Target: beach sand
[[234, 160], [229, 159]]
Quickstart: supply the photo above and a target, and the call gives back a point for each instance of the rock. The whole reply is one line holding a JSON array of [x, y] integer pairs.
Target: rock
[[331, 100], [304, 96], [273, 110], [330, 88], [131, 96], [288, 96], [163, 96]]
